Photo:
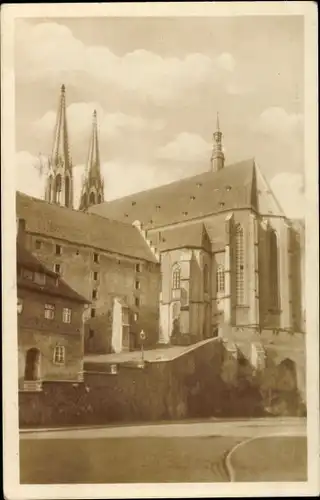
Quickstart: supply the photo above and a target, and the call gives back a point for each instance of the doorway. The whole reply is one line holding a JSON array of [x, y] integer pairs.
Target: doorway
[[32, 368]]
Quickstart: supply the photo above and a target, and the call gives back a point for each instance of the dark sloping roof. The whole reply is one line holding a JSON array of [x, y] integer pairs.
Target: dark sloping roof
[[56, 287], [82, 228], [190, 236], [201, 195]]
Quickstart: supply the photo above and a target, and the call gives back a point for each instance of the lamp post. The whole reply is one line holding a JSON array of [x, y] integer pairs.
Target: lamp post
[[142, 338]]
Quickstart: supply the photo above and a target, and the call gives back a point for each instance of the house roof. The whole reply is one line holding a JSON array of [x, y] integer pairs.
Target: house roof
[[56, 287], [240, 185], [82, 228]]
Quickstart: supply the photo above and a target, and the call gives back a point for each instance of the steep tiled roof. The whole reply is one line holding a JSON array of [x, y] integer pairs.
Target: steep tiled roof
[[189, 236], [56, 287], [81, 228], [192, 197]]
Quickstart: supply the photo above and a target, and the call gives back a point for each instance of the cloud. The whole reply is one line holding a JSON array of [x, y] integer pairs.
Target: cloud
[[79, 119], [289, 190], [49, 51], [186, 147], [275, 121], [28, 176]]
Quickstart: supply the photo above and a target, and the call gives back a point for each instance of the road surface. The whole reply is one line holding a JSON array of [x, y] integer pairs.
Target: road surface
[[207, 451]]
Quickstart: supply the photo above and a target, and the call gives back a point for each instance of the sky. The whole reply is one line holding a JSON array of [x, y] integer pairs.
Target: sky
[[157, 85]]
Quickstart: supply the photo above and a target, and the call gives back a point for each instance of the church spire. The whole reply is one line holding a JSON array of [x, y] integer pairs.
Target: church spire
[[59, 187], [217, 157], [93, 186]]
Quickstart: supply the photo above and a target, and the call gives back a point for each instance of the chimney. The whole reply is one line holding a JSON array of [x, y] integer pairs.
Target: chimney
[[21, 231]]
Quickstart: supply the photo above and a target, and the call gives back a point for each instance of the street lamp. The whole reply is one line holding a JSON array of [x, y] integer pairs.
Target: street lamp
[[142, 338]]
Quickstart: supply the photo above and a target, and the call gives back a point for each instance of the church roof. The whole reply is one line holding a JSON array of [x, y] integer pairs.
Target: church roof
[[235, 186], [190, 236], [82, 228], [56, 287]]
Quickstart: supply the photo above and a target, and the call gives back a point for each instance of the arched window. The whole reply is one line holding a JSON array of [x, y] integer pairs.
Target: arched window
[[67, 191], [58, 188], [220, 279], [59, 355], [176, 276], [239, 265], [273, 270], [92, 199], [205, 278]]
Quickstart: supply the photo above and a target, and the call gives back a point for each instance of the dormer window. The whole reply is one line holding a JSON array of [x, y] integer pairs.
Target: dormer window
[[185, 213], [228, 188], [158, 207], [199, 184], [221, 204], [96, 258], [133, 203], [192, 198], [126, 215]]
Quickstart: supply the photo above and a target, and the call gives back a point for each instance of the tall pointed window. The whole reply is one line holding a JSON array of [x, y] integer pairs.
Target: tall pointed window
[[92, 199], [206, 279], [67, 190], [58, 188], [176, 276], [273, 270], [239, 265], [220, 279]]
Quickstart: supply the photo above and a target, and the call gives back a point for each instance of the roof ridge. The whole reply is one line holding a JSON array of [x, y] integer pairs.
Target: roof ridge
[[179, 181], [127, 224]]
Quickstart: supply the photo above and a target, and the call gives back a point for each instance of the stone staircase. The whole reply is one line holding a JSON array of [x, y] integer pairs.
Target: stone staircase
[[32, 385]]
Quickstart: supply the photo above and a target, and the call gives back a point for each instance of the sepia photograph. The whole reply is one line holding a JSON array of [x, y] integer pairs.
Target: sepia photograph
[[160, 249]]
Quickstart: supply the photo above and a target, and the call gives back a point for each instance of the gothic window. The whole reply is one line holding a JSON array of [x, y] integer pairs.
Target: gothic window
[[58, 188], [206, 278], [273, 270], [176, 276], [220, 279], [239, 265], [67, 191], [92, 199]]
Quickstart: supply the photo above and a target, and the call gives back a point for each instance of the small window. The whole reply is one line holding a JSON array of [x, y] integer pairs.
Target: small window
[[137, 301], [77, 252], [221, 204], [58, 250], [185, 213], [136, 316], [138, 268], [199, 185], [220, 279], [158, 207], [40, 278], [27, 274], [49, 311], [91, 334], [57, 268], [137, 285], [133, 203], [95, 275], [38, 244], [59, 355], [94, 293], [93, 312], [66, 315], [176, 277], [96, 258], [19, 305], [192, 198]]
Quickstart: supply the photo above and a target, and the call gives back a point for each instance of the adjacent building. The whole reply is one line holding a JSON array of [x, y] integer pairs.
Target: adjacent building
[[50, 323]]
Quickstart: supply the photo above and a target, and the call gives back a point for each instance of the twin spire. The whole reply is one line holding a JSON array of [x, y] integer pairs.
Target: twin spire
[[59, 188]]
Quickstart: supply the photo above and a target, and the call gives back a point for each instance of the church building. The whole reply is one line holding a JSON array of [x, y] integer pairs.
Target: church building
[[184, 258]]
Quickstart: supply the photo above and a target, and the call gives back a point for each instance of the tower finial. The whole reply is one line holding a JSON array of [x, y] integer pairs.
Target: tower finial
[[63, 88], [217, 157]]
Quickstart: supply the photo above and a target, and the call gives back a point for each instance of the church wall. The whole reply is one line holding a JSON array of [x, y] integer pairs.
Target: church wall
[[117, 276]]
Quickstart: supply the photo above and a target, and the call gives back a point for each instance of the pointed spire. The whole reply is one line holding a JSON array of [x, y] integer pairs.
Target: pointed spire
[[93, 186], [60, 150], [217, 157], [218, 123], [59, 187]]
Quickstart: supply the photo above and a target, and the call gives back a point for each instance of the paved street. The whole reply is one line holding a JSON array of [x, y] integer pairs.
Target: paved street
[[208, 451]]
